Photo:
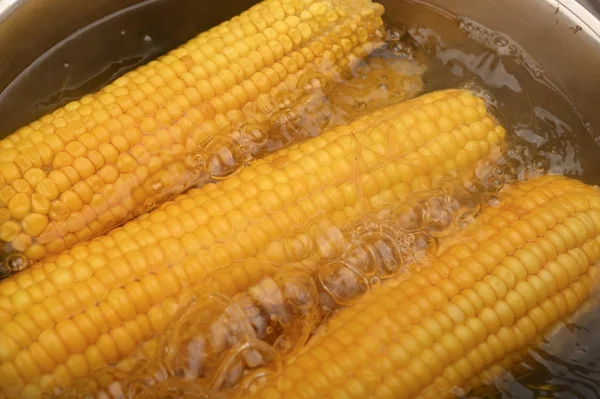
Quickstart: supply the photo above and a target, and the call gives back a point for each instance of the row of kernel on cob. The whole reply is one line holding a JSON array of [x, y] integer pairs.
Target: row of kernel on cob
[[93, 305], [196, 113]]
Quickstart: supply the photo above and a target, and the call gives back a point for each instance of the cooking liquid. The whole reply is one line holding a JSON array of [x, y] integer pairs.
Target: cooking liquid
[[546, 129], [546, 135]]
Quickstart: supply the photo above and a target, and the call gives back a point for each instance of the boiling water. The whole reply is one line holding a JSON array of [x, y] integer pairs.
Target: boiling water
[[546, 135], [546, 129]]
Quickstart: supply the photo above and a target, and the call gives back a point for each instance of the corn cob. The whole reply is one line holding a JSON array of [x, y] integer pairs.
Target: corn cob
[[91, 305], [494, 290], [249, 315], [145, 138]]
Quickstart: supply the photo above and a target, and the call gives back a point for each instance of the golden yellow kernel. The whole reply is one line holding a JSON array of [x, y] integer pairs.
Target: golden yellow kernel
[[19, 206], [108, 174], [34, 224], [21, 242], [4, 215], [9, 171], [22, 186], [120, 143], [84, 167], [58, 211], [35, 252], [71, 200], [78, 365], [83, 191], [56, 246], [47, 188], [71, 175], [76, 149], [9, 230]]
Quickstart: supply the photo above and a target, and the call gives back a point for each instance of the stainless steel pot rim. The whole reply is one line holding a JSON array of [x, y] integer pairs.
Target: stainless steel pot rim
[[6, 6], [576, 12], [581, 16]]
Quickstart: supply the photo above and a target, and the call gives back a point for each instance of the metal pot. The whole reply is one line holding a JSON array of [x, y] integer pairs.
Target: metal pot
[[562, 35], [53, 51]]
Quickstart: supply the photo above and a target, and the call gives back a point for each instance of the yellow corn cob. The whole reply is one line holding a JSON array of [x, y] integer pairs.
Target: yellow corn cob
[[93, 304], [275, 307], [143, 139], [491, 292]]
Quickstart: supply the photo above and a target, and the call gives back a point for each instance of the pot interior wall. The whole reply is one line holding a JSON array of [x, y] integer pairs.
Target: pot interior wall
[[53, 52]]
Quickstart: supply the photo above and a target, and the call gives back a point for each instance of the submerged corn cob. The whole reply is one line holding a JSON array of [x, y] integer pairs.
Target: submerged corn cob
[[94, 303], [249, 315], [523, 266], [145, 138]]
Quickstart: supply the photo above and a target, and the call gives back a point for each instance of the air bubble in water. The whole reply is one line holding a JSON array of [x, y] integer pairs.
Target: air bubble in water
[[465, 25], [157, 186], [360, 106], [250, 136], [285, 100], [423, 241], [255, 135], [400, 48], [257, 379], [314, 81], [375, 281], [282, 309], [394, 34], [512, 168], [220, 157], [147, 206], [380, 34], [16, 262], [541, 163], [384, 249], [201, 337], [359, 257], [501, 41], [299, 247], [345, 285], [478, 91], [66, 65], [241, 361], [491, 177], [412, 219], [147, 39], [329, 239], [107, 383], [466, 207], [146, 376], [285, 123], [440, 211], [302, 304]]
